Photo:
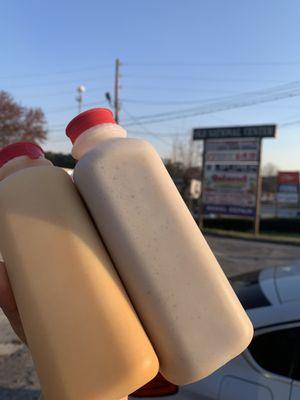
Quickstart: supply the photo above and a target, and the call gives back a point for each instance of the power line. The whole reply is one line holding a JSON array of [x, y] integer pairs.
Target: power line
[[62, 82], [170, 102], [73, 82], [162, 134], [199, 101], [145, 129], [136, 122], [205, 79], [217, 64], [73, 107], [99, 66], [290, 123], [59, 72], [243, 100], [214, 105], [174, 89], [275, 90], [282, 86], [62, 93]]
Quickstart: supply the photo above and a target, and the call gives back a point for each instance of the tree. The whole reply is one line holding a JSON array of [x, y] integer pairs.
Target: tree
[[61, 160], [187, 152], [269, 169], [18, 123]]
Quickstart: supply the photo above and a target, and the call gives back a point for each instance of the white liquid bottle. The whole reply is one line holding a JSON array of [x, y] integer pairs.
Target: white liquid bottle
[[85, 338], [185, 302]]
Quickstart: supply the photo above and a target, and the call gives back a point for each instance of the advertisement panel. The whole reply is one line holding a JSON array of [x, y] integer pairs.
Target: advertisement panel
[[288, 188], [288, 178], [230, 176]]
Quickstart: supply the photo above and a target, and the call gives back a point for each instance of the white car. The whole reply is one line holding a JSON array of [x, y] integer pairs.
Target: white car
[[270, 368]]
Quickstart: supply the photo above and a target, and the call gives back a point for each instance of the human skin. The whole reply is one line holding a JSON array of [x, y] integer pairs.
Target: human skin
[[9, 306]]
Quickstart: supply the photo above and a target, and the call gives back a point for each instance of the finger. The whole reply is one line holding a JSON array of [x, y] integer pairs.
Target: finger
[[7, 300], [16, 324], [8, 304]]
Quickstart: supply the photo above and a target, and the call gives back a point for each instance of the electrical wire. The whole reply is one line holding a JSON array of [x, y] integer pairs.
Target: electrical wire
[[74, 107], [174, 89], [62, 93], [290, 123], [59, 72], [145, 129], [216, 64], [169, 64], [243, 100], [204, 79], [67, 82]]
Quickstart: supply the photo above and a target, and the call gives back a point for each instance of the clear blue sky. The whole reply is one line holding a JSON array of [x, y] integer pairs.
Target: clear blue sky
[[177, 55]]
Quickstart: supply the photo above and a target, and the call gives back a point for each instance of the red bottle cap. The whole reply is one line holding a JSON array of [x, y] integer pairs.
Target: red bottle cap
[[88, 119], [14, 150]]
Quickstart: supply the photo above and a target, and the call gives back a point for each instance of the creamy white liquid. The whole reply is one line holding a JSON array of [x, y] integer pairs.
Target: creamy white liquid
[[187, 306]]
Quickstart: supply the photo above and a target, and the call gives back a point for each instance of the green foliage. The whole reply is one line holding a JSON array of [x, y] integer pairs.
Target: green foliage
[[61, 160]]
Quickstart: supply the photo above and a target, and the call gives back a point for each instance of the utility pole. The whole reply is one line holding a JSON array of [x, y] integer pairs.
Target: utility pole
[[80, 90], [117, 90]]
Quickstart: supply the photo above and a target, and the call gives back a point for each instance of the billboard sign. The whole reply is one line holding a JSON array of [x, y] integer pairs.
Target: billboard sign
[[230, 176], [288, 178], [251, 131], [288, 188]]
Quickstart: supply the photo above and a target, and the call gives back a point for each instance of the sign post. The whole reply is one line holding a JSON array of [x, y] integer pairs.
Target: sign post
[[258, 192], [231, 183], [201, 214]]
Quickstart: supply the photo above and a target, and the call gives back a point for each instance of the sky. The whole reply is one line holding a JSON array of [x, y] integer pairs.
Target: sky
[[207, 63]]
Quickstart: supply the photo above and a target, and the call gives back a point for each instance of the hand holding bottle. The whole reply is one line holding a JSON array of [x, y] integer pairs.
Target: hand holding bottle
[[75, 312], [8, 304]]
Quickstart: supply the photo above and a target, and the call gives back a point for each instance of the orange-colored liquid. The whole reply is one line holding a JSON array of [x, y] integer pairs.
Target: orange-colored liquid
[[84, 336]]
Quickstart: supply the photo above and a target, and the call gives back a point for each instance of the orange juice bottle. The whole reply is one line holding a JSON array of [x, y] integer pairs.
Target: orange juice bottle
[[185, 302], [85, 338]]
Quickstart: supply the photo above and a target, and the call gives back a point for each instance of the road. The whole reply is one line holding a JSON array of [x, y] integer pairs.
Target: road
[[18, 380]]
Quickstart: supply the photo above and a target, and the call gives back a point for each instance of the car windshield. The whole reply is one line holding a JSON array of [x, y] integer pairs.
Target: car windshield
[[248, 290]]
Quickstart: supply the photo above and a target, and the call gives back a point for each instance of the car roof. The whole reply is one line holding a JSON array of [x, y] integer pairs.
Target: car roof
[[249, 290], [273, 286], [281, 284], [270, 296], [275, 316], [287, 281]]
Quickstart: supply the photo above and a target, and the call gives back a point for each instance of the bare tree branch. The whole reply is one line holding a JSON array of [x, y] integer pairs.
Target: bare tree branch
[[18, 123]]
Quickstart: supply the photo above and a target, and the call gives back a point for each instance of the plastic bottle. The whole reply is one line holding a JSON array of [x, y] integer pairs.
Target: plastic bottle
[[85, 338], [187, 306]]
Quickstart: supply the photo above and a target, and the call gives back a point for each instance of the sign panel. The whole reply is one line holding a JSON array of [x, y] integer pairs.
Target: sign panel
[[195, 189], [288, 178], [230, 176], [287, 198], [288, 188], [251, 131]]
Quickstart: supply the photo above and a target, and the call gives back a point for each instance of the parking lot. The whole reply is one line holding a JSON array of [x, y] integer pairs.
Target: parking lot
[[239, 256], [17, 376]]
